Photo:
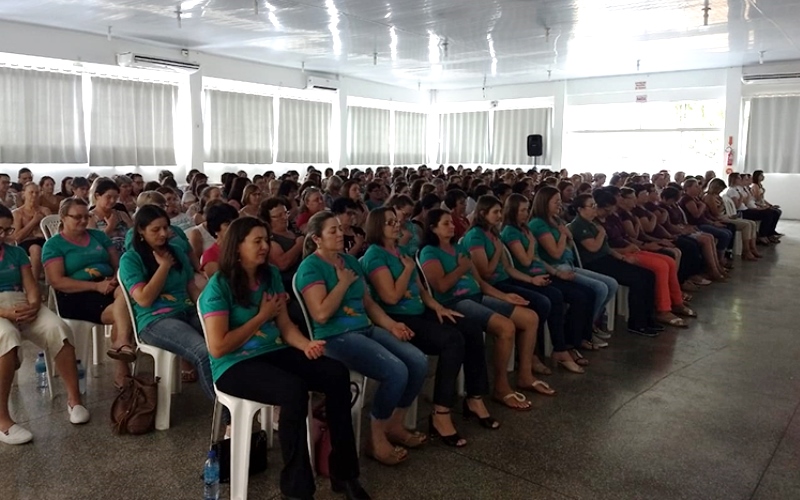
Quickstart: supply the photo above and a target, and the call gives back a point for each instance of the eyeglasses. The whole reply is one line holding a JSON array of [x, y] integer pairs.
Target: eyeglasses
[[8, 231], [392, 222], [593, 205], [78, 217], [280, 215]]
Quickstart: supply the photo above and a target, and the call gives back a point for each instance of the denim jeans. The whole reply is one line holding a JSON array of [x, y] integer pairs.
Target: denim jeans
[[724, 237], [398, 366], [603, 287], [182, 335]]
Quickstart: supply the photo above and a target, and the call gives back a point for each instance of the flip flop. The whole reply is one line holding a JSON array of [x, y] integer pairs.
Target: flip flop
[[122, 353], [676, 322], [539, 387], [396, 456], [685, 311], [516, 395], [414, 440]]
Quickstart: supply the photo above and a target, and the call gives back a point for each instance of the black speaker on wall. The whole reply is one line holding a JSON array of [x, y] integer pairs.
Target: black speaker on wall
[[535, 145]]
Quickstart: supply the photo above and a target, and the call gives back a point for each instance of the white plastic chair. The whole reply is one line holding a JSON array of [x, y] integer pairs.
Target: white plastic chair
[[242, 413], [167, 368], [355, 377]]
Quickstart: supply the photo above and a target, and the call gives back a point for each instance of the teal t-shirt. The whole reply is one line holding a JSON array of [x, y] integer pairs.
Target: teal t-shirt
[[12, 260], [511, 236], [582, 229], [85, 260], [478, 238], [538, 227], [376, 258], [178, 238], [412, 246], [465, 287], [217, 300], [351, 315], [173, 298]]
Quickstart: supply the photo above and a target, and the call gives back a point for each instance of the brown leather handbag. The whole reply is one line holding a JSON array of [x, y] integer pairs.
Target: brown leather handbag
[[134, 409]]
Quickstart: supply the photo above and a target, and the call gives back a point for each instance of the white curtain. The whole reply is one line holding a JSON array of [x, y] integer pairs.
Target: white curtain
[[510, 135], [368, 136], [41, 117], [772, 135], [132, 123], [464, 137], [410, 130], [304, 131], [240, 127]]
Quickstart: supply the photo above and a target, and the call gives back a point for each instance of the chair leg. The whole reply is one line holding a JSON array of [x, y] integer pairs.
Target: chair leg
[[611, 309], [460, 384], [50, 365], [309, 426], [357, 408], [164, 370], [548, 342], [512, 359], [267, 419], [177, 377], [241, 430], [411, 415]]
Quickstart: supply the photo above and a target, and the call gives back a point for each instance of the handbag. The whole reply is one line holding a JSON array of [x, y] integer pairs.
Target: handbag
[[258, 455], [134, 409]]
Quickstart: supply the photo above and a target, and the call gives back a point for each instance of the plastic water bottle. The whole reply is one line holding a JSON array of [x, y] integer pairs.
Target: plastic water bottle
[[40, 368], [81, 377], [211, 477]]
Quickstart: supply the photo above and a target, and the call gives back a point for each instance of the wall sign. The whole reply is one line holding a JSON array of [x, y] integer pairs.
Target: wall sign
[[641, 85], [641, 98]]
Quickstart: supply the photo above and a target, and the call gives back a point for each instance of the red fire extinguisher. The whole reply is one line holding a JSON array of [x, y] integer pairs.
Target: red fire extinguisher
[[729, 150]]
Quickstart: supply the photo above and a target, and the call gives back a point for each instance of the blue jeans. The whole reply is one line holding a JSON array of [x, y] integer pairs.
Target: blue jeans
[[182, 335], [398, 366], [723, 236], [604, 287]]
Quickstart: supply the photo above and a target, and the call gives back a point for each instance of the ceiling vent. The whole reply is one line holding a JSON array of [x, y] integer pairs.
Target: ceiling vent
[[321, 83], [131, 60]]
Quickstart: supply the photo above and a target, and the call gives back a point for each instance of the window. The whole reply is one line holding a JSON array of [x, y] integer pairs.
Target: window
[[368, 136], [304, 131], [772, 135], [410, 130], [239, 127], [464, 137]]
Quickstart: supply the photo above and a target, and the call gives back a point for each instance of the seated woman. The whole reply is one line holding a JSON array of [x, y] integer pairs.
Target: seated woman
[[491, 263], [207, 195], [668, 295], [748, 228], [286, 246], [251, 199], [105, 217], [457, 285], [675, 222], [746, 206], [598, 256], [80, 265], [362, 336], [346, 210], [27, 227], [310, 203], [47, 197], [758, 190], [410, 231], [257, 353], [218, 218], [696, 213], [456, 201], [126, 198], [439, 331], [199, 237], [555, 249], [160, 281], [23, 317]]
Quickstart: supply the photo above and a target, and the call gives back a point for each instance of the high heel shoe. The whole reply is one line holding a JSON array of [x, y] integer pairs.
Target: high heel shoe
[[454, 440], [485, 422]]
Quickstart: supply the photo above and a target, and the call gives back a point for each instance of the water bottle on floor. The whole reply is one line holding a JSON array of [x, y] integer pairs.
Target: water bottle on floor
[[81, 377], [40, 368], [211, 477]]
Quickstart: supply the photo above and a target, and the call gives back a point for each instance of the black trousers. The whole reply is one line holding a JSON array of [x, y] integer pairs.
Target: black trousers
[[456, 344], [642, 284], [768, 219], [692, 262], [284, 378]]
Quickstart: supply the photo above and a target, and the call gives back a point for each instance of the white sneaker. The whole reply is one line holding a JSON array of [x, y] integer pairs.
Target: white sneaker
[[78, 414], [597, 341], [602, 334], [16, 434]]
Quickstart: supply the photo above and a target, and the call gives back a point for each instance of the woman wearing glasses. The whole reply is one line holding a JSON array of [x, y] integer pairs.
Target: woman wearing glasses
[[286, 246], [80, 265]]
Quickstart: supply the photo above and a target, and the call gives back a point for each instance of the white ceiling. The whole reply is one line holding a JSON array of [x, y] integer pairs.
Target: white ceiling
[[504, 41]]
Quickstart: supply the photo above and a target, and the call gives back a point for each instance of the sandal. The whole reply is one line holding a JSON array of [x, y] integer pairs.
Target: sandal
[[687, 297], [413, 440], [571, 366], [676, 322], [514, 395], [578, 358], [396, 456], [540, 387], [486, 422], [188, 376], [588, 346], [122, 353], [454, 440], [685, 311]]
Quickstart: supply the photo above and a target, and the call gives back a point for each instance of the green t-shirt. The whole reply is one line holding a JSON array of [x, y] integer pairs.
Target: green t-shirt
[[376, 258], [172, 300], [412, 247], [84, 260], [351, 314], [217, 300], [12, 260], [538, 227], [465, 287], [177, 238], [512, 236], [582, 229], [478, 238]]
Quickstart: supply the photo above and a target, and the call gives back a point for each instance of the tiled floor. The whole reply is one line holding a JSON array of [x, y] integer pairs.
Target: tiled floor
[[705, 413]]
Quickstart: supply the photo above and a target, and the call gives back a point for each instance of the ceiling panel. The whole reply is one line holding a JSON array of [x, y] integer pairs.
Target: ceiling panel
[[448, 43]]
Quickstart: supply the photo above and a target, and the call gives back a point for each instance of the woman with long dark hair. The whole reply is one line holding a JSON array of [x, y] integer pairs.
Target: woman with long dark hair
[[257, 353], [160, 281]]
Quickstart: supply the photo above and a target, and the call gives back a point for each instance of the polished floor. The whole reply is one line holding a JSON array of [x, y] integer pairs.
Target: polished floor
[[705, 413]]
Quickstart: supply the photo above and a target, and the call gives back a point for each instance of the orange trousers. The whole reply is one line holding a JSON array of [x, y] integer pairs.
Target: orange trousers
[[668, 289]]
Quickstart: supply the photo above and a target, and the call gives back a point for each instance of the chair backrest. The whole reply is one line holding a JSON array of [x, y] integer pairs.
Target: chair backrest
[[509, 257], [130, 308], [202, 322], [303, 308], [49, 225], [422, 274], [730, 206], [577, 254]]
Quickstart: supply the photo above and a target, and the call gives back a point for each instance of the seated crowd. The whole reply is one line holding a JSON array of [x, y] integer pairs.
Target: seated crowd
[[393, 264]]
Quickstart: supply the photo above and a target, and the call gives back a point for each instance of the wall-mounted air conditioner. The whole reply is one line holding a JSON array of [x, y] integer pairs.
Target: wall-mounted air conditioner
[[321, 83], [776, 72], [131, 60]]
